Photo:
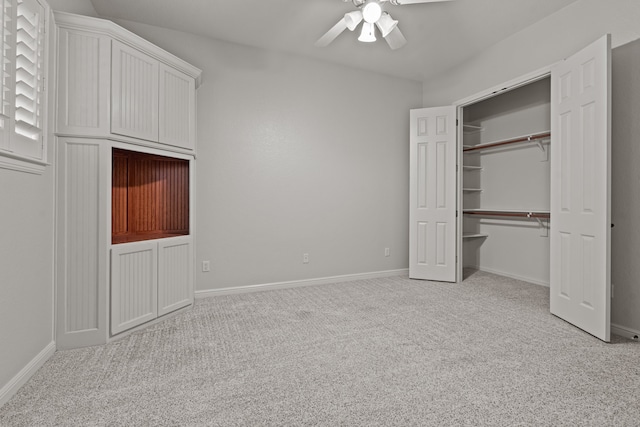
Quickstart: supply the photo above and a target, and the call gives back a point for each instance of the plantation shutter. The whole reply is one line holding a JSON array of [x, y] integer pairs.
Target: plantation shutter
[[29, 75], [6, 67]]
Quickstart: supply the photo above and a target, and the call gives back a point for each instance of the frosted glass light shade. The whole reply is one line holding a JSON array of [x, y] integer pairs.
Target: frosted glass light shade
[[352, 19], [368, 33], [372, 11], [386, 24]]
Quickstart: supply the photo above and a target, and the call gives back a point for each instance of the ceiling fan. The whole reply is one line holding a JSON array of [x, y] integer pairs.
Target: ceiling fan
[[373, 15]]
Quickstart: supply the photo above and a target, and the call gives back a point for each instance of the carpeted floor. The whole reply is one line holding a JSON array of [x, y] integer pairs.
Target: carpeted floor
[[373, 352]]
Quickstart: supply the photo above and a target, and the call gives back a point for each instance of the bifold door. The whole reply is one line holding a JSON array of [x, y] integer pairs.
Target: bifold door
[[580, 189], [433, 190]]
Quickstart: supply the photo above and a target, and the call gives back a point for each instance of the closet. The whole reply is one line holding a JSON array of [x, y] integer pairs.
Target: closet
[[125, 155], [506, 183], [516, 181]]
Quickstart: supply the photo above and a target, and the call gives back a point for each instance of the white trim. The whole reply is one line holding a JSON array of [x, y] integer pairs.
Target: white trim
[[623, 331], [300, 283], [126, 143], [512, 276], [20, 163], [12, 387]]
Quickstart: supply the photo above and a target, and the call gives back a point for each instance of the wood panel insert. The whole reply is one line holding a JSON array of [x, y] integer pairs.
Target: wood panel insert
[[149, 196]]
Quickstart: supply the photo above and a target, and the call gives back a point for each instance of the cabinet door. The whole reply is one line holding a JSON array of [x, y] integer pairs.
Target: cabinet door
[[134, 283], [134, 93], [175, 274], [432, 197], [84, 84], [177, 108]]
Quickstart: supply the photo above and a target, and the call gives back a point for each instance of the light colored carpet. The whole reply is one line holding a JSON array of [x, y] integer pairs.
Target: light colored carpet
[[372, 352]]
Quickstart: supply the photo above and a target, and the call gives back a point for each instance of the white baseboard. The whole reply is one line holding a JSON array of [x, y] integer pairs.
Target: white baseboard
[[512, 276], [12, 387], [623, 331], [299, 283]]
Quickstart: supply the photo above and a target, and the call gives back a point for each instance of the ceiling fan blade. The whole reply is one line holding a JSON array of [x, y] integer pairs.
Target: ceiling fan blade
[[331, 35], [403, 2], [395, 39]]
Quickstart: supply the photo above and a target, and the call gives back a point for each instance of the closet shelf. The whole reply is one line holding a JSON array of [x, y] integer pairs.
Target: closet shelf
[[472, 189], [474, 235], [472, 168], [466, 128], [527, 138], [509, 213]]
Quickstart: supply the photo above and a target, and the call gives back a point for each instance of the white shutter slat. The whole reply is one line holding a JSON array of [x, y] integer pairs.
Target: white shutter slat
[[29, 56]]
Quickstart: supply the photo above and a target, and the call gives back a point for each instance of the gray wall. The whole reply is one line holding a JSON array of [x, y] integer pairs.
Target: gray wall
[[551, 40], [537, 46], [294, 156], [26, 268], [625, 183]]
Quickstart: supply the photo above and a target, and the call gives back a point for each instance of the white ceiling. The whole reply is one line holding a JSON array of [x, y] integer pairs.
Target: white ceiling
[[440, 35]]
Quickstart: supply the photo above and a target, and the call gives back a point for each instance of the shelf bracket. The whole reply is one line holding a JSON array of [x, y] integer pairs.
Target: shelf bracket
[[544, 227], [540, 144]]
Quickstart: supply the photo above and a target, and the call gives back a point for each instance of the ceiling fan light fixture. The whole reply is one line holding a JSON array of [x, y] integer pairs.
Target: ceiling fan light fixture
[[386, 24], [372, 11], [352, 19], [368, 33]]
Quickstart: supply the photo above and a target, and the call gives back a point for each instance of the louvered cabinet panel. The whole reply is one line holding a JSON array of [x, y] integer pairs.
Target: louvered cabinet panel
[[84, 83], [175, 274], [134, 93], [134, 284], [177, 108]]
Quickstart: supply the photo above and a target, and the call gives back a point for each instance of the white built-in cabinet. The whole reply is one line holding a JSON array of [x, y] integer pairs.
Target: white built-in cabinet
[[116, 91], [523, 186]]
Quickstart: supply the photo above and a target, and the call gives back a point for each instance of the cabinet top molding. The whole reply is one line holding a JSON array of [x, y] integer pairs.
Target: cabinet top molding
[[111, 29]]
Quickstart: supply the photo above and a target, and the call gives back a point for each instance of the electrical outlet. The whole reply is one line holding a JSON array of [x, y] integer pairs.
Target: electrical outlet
[[387, 252], [206, 266], [305, 258]]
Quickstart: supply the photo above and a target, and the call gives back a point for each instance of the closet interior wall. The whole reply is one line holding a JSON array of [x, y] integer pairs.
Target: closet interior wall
[[509, 177]]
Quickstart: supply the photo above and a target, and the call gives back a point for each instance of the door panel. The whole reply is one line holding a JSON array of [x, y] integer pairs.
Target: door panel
[[134, 284], [134, 93], [175, 275], [177, 108], [580, 189], [432, 227]]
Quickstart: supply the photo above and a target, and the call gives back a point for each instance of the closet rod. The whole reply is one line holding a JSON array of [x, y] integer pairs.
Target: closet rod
[[509, 141], [518, 214]]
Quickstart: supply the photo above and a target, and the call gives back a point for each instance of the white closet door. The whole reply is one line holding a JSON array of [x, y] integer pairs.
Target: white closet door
[[432, 214], [580, 189]]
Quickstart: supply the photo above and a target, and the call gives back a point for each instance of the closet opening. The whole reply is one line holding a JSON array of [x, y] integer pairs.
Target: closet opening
[[505, 176]]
